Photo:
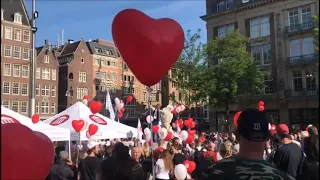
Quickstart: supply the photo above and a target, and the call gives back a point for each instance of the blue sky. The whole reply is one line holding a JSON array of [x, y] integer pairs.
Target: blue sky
[[92, 19]]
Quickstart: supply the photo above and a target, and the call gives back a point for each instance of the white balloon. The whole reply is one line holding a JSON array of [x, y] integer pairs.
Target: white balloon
[[163, 133], [183, 107], [184, 135], [120, 106], [310, 125], [174, 125], [149, 119], [85, 101], [180, 172], [147, 131], [116, 101]]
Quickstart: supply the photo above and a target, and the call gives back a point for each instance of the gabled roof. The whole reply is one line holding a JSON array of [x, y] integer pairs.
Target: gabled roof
[[108, 46], [39, 49], [10, 7], [70, 48]]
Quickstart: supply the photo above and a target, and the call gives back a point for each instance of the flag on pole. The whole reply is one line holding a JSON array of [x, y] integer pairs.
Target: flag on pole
[[140, 132], [109, 106]]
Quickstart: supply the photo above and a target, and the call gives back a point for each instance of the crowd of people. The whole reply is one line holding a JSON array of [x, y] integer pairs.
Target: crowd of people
[[250, 152]]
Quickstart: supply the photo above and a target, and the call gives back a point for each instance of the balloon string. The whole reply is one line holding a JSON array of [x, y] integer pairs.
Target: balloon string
[[152, 134]]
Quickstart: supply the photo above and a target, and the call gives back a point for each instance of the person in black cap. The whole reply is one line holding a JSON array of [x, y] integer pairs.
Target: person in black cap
[[253, 129]]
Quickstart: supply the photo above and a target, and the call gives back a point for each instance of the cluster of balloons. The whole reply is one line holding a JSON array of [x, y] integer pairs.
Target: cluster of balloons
[[120, 105], [182, 171], [178, 108], [261, 105], [163, 133]]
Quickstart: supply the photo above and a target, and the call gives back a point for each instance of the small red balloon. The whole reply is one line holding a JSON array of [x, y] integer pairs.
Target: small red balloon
[[169, 136], [150, 143], [35, 118], [129, 99], [121, 110], [261, 108], [190, 139], [160, 43], [261, 103], [235, 118], [120, 115], [155, 129], [191, 132], [77, 125], [85, 97], [190, 166], [95, 106], [93, 129]]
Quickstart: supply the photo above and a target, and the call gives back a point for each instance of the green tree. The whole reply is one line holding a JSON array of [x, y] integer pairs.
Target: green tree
[[236, 73], [316, 35]]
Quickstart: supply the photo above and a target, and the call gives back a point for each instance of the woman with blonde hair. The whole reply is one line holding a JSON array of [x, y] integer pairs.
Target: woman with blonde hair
[[146, 150], [164, 165], [137, 151], [225, 150]]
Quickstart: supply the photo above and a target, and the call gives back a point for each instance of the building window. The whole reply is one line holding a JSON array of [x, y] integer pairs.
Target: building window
[[24, 107], [38, 73], [114, 64], [223, 30], [268, 85], [297, 80], [6, 88], [44, 107], [26, 36], [206, 112], [262, 54], [220, 6], [17, 34], [132, 113], [53, 74], [16, 52], [37, 107], [307, 46], [24, 89], [108, 76], [25, 71], [46, 73], [114, 76], [8, 32], [46, 59], [53, 91], [98, 50], [17, 18], [7, 50], [6, 104], [1, 14], [82, 60], [15, 88], [15, 106], [293, 17], [311, 84], [103, 62], [26, 53], [7, 69], [306, 15], [259, 27], [16, 70], [97, 62], [229, 4], [37, 89], [81, 92], [45, 90], [83, 76], [53, 108]]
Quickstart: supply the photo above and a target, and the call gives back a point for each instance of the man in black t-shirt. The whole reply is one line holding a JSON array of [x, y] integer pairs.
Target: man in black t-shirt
[[88, 166], [288, 156]]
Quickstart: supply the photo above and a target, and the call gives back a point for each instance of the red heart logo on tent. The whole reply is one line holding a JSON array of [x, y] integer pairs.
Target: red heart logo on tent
[[93, 129], [77, 125], [155, 43]]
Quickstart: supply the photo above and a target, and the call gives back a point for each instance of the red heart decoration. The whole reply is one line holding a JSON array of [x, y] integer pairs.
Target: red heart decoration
[[191, 132], [261, 103], [35, 118], [261, 108], [129, 98], [95, 106], [190, 166], [77, 125], [93, 129], [155, 129], [158, 42], [32, 162], [169, 136], [179, 123], [190, 139]]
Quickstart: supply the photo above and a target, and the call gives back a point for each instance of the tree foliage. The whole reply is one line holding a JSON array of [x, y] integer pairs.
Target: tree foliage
[[316, 34]]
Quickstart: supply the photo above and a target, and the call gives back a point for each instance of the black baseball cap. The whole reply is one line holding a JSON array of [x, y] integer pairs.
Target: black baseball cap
[[253, 125]]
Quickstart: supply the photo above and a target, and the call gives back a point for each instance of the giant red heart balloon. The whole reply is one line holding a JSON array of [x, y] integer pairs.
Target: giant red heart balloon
[[151, 46], [190, 166], [25, 154], [93, 129], [95, 106], [77, 125]]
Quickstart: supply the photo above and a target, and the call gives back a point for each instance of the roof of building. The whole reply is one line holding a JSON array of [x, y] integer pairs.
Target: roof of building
[[101, 47], [10, 7], [69, 48]]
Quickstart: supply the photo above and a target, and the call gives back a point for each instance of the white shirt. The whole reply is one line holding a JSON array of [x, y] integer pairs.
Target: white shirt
[[161, 172]]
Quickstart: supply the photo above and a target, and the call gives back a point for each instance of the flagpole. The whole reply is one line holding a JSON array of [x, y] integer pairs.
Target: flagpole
[[149, 90]]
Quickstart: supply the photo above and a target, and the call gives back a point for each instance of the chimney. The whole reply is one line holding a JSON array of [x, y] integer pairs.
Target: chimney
[[46, 42], [70, 41]]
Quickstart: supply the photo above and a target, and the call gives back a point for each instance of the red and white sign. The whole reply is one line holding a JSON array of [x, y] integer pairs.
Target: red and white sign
[[59, 120], [5, 119], [98, 119]]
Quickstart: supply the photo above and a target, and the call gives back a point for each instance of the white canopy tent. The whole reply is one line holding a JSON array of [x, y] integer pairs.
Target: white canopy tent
[[54, 133], [107, 129]]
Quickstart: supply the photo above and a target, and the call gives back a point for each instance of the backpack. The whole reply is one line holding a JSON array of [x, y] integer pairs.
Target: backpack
[[197, 158]]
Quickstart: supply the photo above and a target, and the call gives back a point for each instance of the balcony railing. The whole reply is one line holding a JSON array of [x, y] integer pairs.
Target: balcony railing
[[302, 92], [304, 59], [300, 27]]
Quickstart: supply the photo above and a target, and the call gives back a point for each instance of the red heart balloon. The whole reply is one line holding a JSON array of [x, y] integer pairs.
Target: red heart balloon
[[35, 118], [190, 139], [158, 42], [261, 108], [121, 110], [169, 136], [77, 125], [32, 162], [120, 115], [191, 132], [93, 129], [155, 129], [129, 98], [95, 106], [235, 118], [190, 166]]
